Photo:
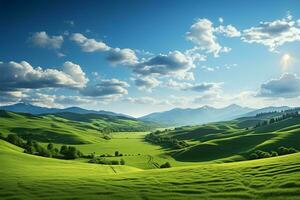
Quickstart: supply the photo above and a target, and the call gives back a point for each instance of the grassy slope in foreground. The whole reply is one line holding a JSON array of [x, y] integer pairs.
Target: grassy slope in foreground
[[25, 176]]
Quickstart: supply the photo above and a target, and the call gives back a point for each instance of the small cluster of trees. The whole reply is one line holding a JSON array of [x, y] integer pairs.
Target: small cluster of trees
[[70, 152], [156, 138], [166, 165], [117, 154], [33, 147], [266, 113], [103, 161], [273, 120], [280, 151]]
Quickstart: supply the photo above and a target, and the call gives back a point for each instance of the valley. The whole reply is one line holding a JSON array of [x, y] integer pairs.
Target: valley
[[213, 161]]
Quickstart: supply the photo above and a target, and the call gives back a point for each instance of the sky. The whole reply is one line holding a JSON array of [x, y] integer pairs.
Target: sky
[[137, 57]]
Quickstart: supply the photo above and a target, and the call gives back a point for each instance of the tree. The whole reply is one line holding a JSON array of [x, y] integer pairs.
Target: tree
[[166, 165], [63, 150], [292, 150], [71, 153], [116, 153], [253, 156], [14, 139], [122, 162], [50, 147], [274, 153], [283, 150]]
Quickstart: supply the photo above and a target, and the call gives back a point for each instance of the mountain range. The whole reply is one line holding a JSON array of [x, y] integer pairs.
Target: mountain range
[[37, 110], [206, 114], [176, 116]]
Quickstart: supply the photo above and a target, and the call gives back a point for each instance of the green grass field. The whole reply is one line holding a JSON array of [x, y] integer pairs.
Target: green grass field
[[24, 176], [212, 167]]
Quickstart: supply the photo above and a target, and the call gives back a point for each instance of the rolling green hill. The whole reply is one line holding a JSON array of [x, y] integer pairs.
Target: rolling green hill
[[233, 140], [211, 166], [67, 128], [24, 176]]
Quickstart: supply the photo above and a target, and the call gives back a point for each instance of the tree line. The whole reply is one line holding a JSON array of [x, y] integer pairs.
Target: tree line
[[35, 148], [157, 138], [273, 120], [264, 154]]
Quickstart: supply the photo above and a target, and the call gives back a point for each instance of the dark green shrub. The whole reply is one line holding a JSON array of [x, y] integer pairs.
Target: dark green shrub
[[115, 162], [253, 156], [16, 140], [274, 153], [50, 147], [63, 150], [283, 151], [122, 162], [166, 165], [292, 150], [71, 153]]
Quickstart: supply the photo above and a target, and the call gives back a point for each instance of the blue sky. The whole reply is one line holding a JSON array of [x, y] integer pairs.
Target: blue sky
[[138, 57]]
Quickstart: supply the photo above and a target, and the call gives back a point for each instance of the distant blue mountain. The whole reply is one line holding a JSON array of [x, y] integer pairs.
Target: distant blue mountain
[[37, 110], [205, 114], [266, 110]]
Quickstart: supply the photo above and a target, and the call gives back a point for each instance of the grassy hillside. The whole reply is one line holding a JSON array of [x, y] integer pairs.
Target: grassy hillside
[[66, 128], [233, 140], [24, 176]]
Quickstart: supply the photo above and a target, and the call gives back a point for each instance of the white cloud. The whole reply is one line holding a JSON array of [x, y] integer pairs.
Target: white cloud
[[287, 86], [122, 56], [199, 87], [75, 72], [42, 39], [229, 31], [89, 45], [146, 83], [108, 88], [202, 33], [175, 64], [15, 76], [273, 34], [221, 20], [7, 97], [145, 101]]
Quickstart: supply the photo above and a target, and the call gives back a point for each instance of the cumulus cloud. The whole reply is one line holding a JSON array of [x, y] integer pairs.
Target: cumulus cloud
[[42, 39], [75, 71], [287, 86], [273, 34], [174, 64], [15, 76], [199, 87], [229, 31], [146, 83], [60, 101], [204, 87], [122, 56], [10, 96], [112, 87], [115, 56], [89, 45], [203, 34], [145, 101]]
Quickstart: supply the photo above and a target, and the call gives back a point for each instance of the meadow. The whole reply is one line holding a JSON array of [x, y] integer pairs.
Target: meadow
[[24, 176], [213, 166]]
